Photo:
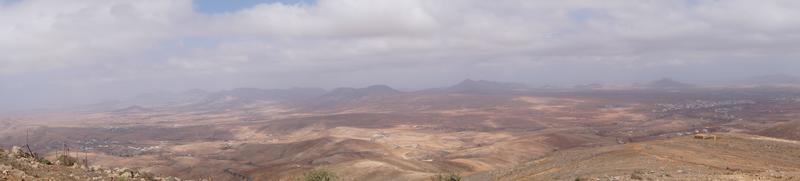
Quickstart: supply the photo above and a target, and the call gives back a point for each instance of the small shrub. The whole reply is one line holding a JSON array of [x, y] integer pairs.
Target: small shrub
[[581, 179], [43, 161], [446, 177], [319, 175], [66, 160], [147, 176]]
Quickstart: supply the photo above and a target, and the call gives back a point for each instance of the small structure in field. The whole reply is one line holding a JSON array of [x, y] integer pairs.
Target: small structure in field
[[705, 136]]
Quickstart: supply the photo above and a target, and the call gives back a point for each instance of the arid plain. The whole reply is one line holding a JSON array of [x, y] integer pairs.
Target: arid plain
[[482, 130]]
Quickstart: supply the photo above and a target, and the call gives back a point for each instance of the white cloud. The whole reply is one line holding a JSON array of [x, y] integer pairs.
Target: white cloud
[[333, 37], [330, 19], [40, 35]]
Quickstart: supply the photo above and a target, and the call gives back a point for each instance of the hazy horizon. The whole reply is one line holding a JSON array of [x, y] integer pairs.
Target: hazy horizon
[[417, 90], [62, 53]]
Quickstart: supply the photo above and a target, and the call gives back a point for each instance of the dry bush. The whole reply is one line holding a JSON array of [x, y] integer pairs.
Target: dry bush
[[66, 160], [319, 175], [446, 177]]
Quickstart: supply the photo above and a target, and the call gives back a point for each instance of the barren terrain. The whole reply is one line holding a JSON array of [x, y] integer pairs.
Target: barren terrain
[[377, 133]]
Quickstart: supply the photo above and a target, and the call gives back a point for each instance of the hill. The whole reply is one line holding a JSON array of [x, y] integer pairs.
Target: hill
[[729, 157], [787, 130], [17, 164], [483, 86]]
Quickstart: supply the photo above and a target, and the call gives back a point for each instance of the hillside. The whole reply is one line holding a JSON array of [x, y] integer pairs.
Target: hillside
[[787, 130], [378, 133], [729, 157], [17, 164]]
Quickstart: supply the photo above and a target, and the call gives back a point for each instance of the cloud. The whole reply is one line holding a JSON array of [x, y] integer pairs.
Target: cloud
[[37, 35], [382, 41], [329, 19], [46, 35]]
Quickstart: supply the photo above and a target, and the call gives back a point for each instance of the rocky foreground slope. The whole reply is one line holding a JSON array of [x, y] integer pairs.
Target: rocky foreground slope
[[727, 156], [18, 164]]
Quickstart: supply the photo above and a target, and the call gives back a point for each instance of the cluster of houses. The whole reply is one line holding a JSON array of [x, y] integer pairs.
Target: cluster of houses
[[115, 147], [787, 99], [699, 104]]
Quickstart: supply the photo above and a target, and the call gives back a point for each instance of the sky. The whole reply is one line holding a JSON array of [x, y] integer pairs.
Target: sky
[[65, 52]]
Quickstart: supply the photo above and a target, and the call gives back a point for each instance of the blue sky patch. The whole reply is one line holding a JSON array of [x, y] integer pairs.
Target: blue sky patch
[[7, 2], [226, 6], [584, 14]]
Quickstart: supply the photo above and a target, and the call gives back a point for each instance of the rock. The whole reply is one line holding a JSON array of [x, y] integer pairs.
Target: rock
[[126, 175], [167, 179], [124, 172], [78, 166], [95, 168], [16, 152], [636, 176]]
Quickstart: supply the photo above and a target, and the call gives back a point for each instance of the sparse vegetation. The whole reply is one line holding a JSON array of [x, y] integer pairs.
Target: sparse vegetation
[[319, 175], [451, 176], [425, 135], [66, 160], [43, 161], [21, 165]]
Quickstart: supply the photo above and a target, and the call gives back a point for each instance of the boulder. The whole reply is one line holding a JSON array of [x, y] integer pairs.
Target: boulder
[[95, 168], [124, 172], [16, 152], [126, 175]]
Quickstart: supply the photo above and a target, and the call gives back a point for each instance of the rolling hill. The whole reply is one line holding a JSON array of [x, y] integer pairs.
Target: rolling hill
[[728, 157]]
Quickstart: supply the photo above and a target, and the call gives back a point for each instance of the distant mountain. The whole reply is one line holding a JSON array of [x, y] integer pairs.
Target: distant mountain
[[666, 83], [223, 99], [773, 79], [347, 93], [109, 105], [292, 94], [550, 87], [245, 96], [166, 98], [196, 92], [483, 86], [588, 86], [132, 110]]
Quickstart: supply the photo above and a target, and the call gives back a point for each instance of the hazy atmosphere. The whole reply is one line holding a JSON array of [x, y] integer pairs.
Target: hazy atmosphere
[[67, 52], [399, 90]]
